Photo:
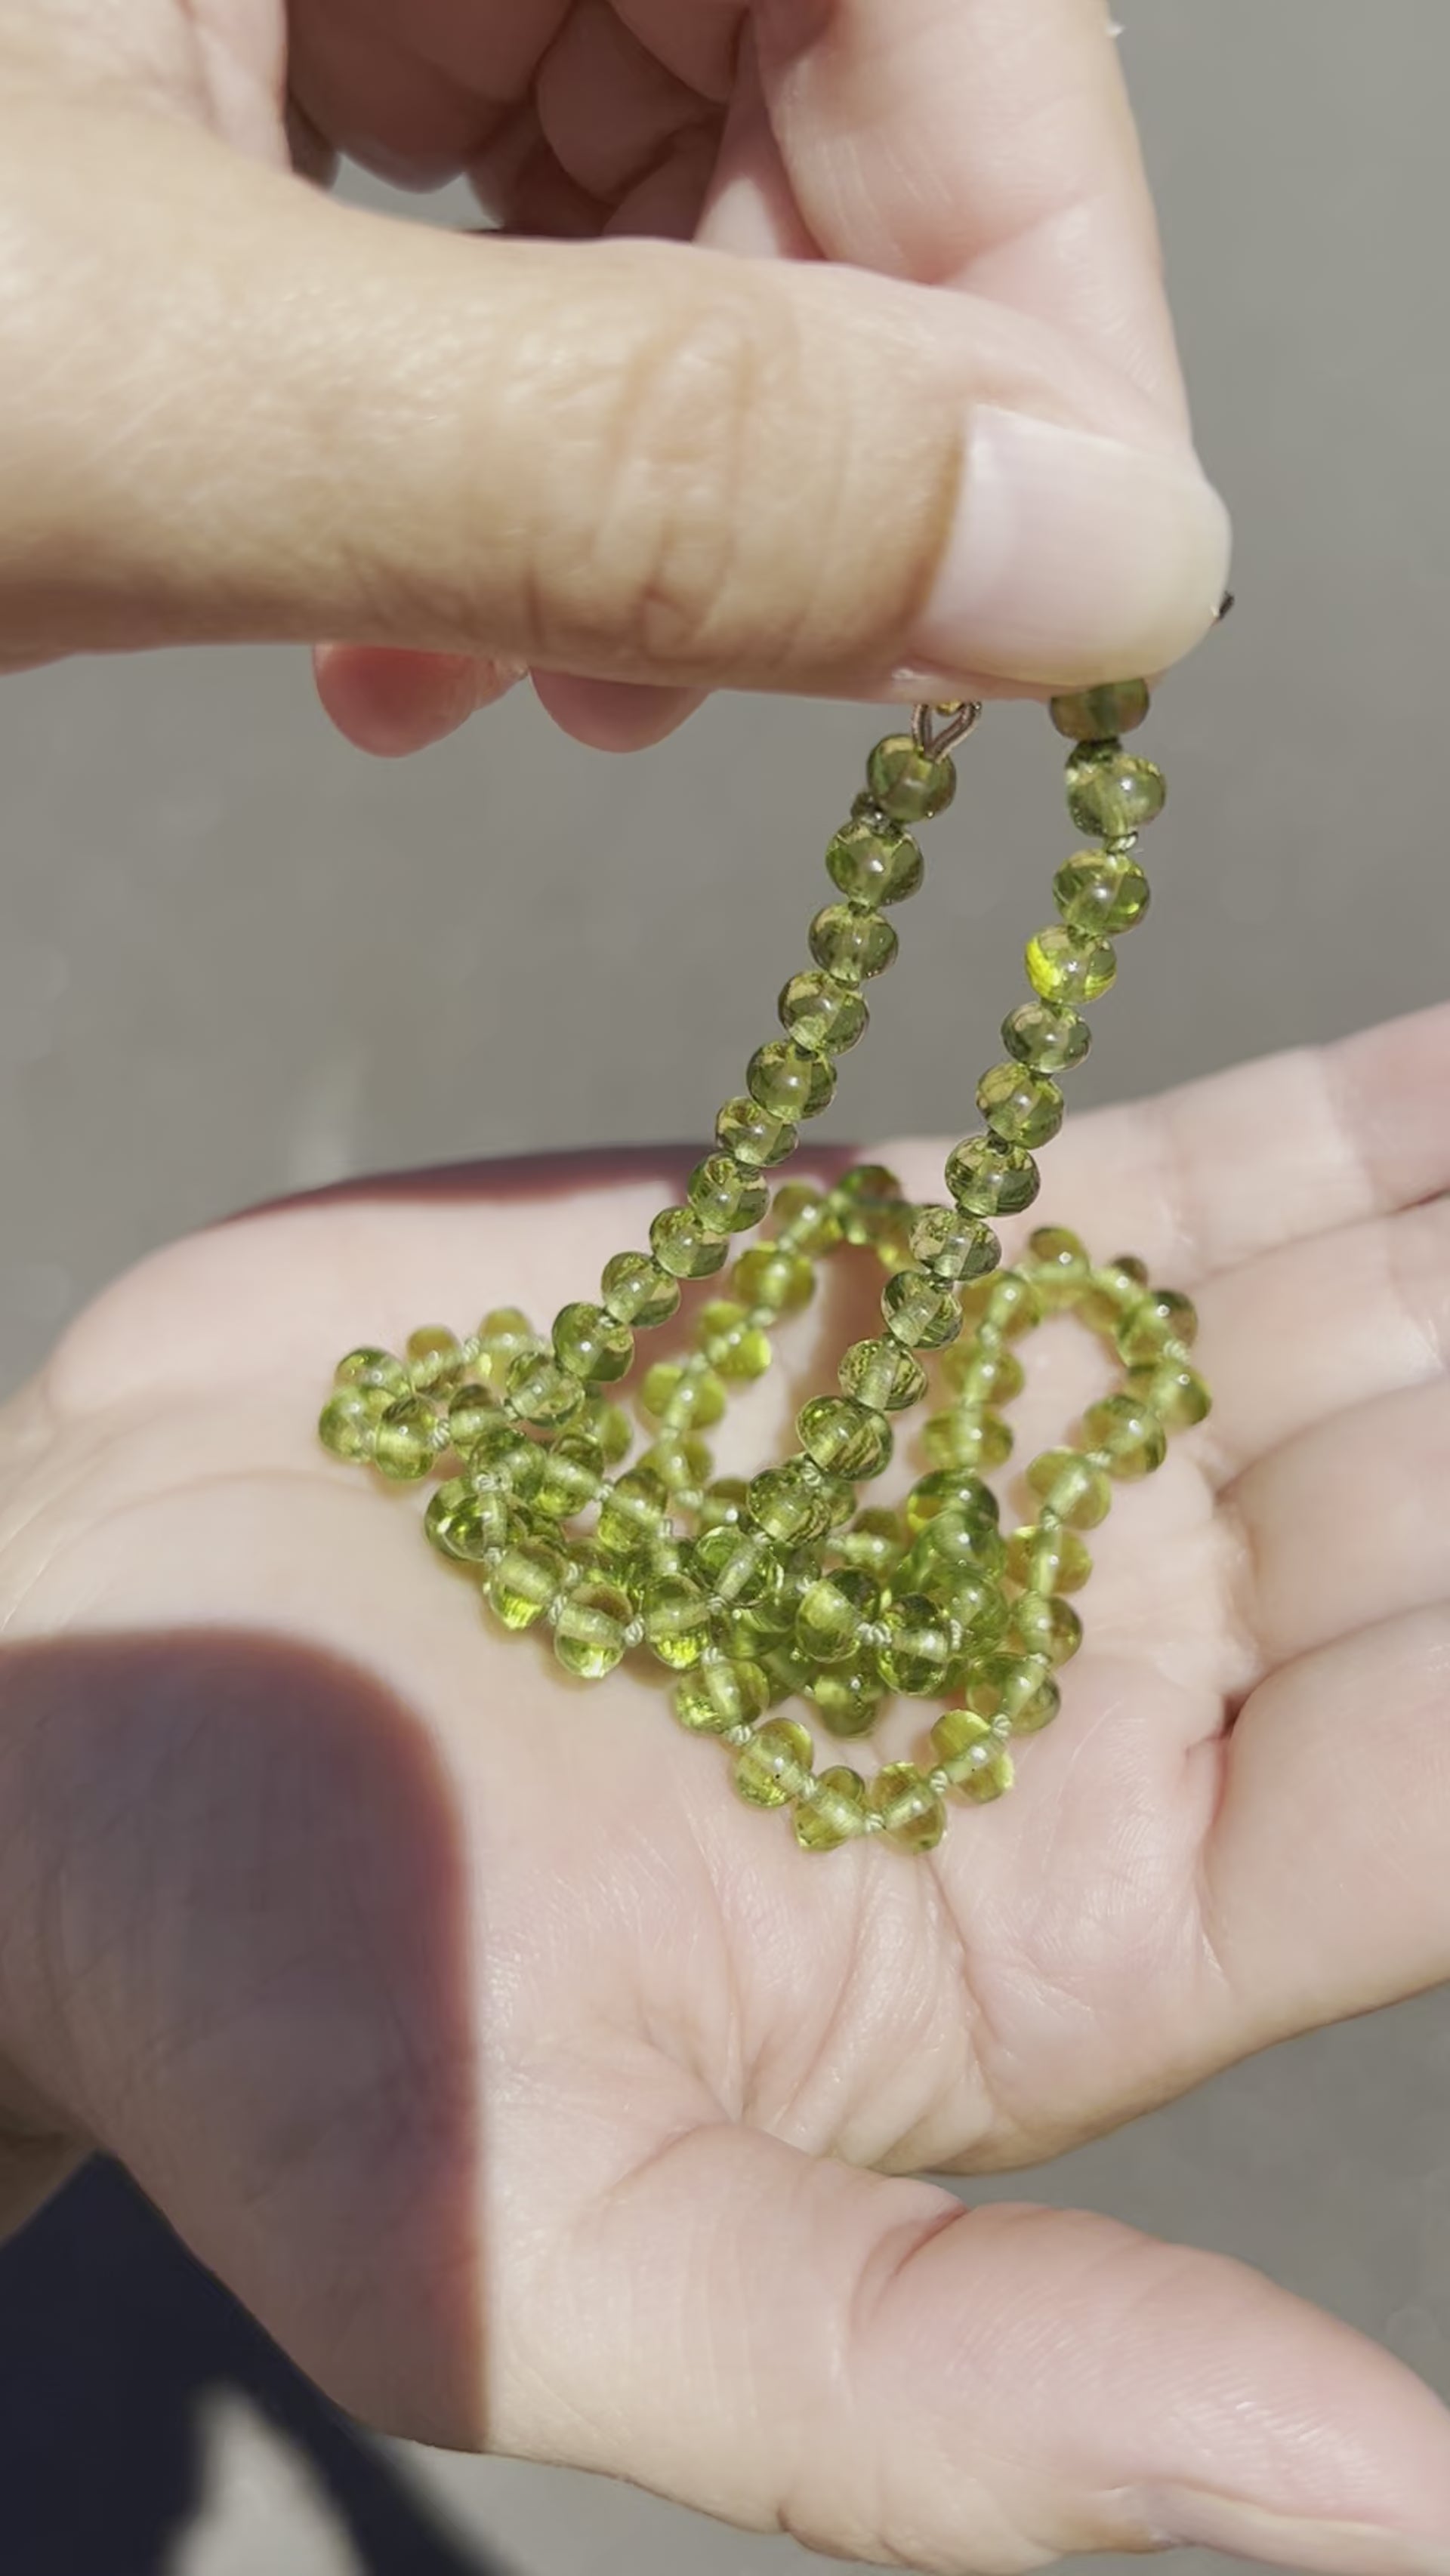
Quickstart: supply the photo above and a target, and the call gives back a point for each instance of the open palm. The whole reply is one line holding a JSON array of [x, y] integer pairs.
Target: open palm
[[538, 2094]]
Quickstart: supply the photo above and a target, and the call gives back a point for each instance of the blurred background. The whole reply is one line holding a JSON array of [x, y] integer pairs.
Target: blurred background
[[239, 958]]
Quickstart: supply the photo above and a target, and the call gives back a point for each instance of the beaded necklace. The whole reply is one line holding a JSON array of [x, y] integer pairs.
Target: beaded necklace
[[616, 1537]]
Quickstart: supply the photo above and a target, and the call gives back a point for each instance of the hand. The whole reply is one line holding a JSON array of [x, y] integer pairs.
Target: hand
[[535, 2093], [934, 426]]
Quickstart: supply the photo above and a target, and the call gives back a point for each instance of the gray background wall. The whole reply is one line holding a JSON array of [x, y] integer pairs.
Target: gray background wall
[[222, 974]]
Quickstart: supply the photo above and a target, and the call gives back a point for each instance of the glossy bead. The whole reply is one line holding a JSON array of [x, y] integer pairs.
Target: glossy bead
[[470, 1409], [769, 1276], [1114, 1287], [911, 1812], [722, 1504], [1172, 1390], [1070, 1488], [570, 1476], [951, 1489], [682, 1396], [1050, 1559], [1045, 1625], [684, 1246], [538, 1390], [874, 862], [681, 1459], [609, 1425], [919, 1312], [1059, 1265], [590, 1628], [408, 1438], [1111, 791], [977, 1607], [982, 1376], [1069, 965], [752, 1135], [526, 1582], [951, 1246], [1100, 714], [465, 1525], [868, 1204], [1100, 894], [503, 1456], [590, 1345], [1018, 1689], [851, 945], [721, 1693], [918, 1650], [736, 1565], [349, 1422], [988, 1178], [435, 1357], [831, 1810], [968, 1436], [907, 783], [789, 1081], [798, 1502], [821, 1014], [874, 1543], [727, 1197], [677, 1619], [973, 1758], [367, 1367], [636, 1289], [847, 1696], [734, 1347], [1048, 1036], [805, 1220], [504, 1333], [775, 1766], [1163, 1316], [831, 1614], [850, 1439], [882, 1375], [633, 1513], [1129, 1433], [953, 1544]]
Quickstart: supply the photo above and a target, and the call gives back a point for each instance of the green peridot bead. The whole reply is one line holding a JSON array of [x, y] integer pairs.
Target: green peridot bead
[[907, 783], [684, 1246], [504, 1333], [820, 1014], [435, 1357], [831, 1810], [769, 1276], [973, 1758], [1069, 965], [848, 1696], [799, 1501], [1021, 1107], [1131, 1436], [1050, 1559], [1101, 714], [682, 1396], [775, 1766], [920, 1312], [367, 1367], [638, 1290], [952, 1489], [988, 1178], [471, 1409], [950, 1246], [1018, 1689], [537, 1389], [734, 1347], [349, 1421], [968, 1436], [831, 1615], [722, 1504], [409, 1437], [918, 1652], [848, 1438], [1059, 1266], [737, 1566], [911, 1813], [752, 1135], [1172, 1390], [874, 1544], [1045, 1626], [590, 1344], [1163, 1316], [868, 1203], [678, 1618], [853, 946], [977, 1607], [633, 1513], [953, 1544], [681, 1460], [464, 1524], [882, 1375], [874, 862], [526, 1582], [805, 1220], [727, 1197], [1070, 1488], [591, 1628], [1112, 792], [789, 1081], [981, 1374], [1100, 893], [1049, 1036], [609, 1425], [571, 1472], [720, 1693]]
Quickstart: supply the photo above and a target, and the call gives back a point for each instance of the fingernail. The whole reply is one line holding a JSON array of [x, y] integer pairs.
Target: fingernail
[[1073, 558], [1192, 2516]]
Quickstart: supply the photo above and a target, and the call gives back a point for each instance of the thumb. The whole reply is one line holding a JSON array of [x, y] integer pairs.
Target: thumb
[[891, 2376], [253, 413]]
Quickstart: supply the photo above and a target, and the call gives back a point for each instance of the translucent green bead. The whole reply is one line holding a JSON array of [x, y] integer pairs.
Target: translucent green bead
[[503, 1335], [682, 1396], [1101, 714], [1100, 894], [907, 783], [789, 1081], [1013, 1306], [867, 1202], [734, 1347], [874, 862], [1019, 1689], [832, 1613], [950, 1246], [1044, 1625], [638, 1290], [752, 1135], [1060, 1266], [727, 1197], [607, 1424], [832, 1810], [684, 1246], [722, 1504], [526, 1582], [1129, 1434], [775, 1766], [954, 1544], [853, 946], [677, 1619], [1050, 1559], [769, 1276], [988, 1178], [367, 1367], [980, 1374], [804, 1215], [850, 1439], [570, 1476], [470, 1409], [681, 1459], [1048, 1036], [1172, 1390], [799, 1501], [633, 1513], [502, 1457], [951, 1489], [1021, 1107], [435, 1357], [968, 1436], [1114, 1287], [590, 1631], [538, 1390], [978, 1609], [1111, 791], [818, 1013], [882, 1375], [590, 1345], [349, 1422], [737, 1565], [848, 1696], [721, 1693], [1163, 1316], [918, 1651], [408, 1439], [1070, 1488], [466, 1525], [910, 1810], [1069, 965], [973, 1758], [919, 1312], [874, 1544]]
